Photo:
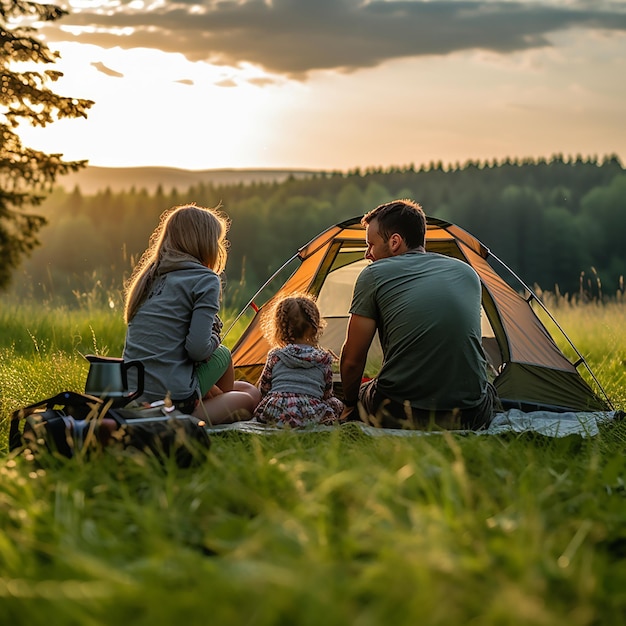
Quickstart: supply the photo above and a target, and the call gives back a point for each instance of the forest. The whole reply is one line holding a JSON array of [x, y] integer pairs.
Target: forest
[[558, 223]]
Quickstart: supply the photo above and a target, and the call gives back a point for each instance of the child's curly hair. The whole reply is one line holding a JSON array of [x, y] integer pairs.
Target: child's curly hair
[[293, 317]]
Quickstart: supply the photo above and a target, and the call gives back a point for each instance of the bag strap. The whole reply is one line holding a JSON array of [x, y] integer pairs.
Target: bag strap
[[65, 398]]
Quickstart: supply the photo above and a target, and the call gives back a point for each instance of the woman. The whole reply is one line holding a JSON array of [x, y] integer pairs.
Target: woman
[[172, 302]]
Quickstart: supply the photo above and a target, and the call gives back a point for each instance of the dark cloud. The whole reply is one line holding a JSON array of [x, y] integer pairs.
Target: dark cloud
[[101, 67], [294, 37]]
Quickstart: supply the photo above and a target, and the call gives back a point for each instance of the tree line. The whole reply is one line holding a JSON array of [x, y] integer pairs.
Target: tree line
[[558, 223]]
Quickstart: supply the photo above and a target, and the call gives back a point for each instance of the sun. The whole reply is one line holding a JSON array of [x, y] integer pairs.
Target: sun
[[156, 108]]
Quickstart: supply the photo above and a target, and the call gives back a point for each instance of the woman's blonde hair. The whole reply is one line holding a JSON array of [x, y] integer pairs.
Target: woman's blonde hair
[[188, 229], [293, 317]]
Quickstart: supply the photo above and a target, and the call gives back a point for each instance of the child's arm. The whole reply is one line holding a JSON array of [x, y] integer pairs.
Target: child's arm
[[328, 382], [265, 381]]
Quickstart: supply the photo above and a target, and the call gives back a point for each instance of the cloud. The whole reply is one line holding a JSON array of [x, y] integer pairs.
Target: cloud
[[185, 81], [101, 67], [226, 82], [295, 37], [262, 82]]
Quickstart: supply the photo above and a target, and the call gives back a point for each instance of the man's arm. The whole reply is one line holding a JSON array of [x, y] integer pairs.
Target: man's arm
[[361, 331]]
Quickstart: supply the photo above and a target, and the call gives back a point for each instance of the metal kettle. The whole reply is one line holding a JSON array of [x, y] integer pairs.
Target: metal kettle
[[107, 379]]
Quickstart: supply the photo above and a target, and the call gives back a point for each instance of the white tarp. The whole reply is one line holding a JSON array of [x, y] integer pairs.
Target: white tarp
[[512, 421]]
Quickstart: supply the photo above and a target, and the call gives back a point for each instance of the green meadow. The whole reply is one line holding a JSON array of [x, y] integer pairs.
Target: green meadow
[[310, 528]]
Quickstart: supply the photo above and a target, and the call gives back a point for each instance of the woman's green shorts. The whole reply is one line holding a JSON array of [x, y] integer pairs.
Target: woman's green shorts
[[210, 372]]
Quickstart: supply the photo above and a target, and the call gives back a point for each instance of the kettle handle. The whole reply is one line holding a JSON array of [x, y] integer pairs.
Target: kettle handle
[[138, 365]]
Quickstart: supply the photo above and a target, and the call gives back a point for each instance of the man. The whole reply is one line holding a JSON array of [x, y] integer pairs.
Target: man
[[426, 308]]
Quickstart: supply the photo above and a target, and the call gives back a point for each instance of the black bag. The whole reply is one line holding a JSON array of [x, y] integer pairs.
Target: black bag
[[71, 423]]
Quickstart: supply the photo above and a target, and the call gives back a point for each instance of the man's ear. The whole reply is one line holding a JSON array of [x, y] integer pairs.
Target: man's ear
[[395, 242]]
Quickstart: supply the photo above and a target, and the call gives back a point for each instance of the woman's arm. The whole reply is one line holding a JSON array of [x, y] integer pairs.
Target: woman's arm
[[201, 342]]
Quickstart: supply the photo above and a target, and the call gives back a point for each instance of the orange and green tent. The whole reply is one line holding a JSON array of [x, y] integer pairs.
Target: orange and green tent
[[529, 369]]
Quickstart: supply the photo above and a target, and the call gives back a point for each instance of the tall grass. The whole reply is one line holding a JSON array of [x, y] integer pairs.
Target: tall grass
[[329, 528], [307, 529], [38, 329], [596, 329]]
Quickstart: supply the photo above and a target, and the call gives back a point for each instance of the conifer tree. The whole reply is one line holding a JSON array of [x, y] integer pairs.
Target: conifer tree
[[26, 175]]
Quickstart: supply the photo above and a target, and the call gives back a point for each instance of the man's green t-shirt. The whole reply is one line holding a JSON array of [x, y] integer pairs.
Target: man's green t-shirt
[[427, 311]]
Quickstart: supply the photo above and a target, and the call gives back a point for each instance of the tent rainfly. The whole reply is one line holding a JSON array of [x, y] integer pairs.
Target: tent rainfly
[[528, 369]]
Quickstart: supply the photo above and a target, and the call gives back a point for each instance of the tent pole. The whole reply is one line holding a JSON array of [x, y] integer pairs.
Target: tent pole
[[267, 282]]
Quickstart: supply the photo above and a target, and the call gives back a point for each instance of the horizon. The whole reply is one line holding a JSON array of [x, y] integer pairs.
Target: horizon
[[567, 158], [94, 178]]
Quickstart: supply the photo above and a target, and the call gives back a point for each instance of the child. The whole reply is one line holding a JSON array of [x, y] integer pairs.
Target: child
[[296, 382], [172, 300]]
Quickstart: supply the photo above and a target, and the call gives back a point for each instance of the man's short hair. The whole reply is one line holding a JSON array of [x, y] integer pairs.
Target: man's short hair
[[404, 217]]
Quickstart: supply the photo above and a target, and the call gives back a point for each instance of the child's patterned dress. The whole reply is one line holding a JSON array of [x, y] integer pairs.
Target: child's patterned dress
[[297, 387]]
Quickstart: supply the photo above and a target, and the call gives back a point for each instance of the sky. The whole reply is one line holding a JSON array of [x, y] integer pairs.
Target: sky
[[337, 84]]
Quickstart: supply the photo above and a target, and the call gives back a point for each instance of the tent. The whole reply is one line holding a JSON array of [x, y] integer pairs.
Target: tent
[[527, 366]]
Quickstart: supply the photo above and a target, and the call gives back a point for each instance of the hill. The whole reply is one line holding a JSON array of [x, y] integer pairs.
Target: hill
[[91, 179]]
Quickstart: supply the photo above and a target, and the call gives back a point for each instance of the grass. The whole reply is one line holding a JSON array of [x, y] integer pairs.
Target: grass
[[334, 528], [596, 330], [33, 328]]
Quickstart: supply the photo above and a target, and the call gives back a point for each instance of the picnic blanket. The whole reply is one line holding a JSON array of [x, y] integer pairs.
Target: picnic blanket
[[550, 424]]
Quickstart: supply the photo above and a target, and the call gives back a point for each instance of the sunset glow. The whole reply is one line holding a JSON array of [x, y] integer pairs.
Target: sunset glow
[[237, 85]]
